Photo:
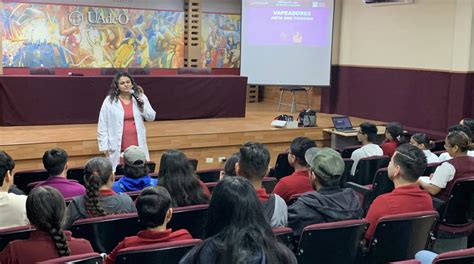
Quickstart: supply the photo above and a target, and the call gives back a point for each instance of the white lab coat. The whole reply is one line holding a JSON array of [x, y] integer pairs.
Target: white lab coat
[[110, 127]]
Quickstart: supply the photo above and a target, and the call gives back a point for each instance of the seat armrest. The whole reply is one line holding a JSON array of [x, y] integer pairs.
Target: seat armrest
[[358, 188]]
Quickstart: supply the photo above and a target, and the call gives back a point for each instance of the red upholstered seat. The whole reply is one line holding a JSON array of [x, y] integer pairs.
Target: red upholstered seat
[[89, 258]]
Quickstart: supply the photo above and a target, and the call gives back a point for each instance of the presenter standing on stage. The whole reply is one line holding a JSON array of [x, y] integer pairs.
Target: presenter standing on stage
[[121, 118]]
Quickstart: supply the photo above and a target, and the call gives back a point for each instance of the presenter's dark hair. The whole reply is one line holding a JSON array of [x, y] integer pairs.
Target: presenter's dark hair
[[45, 208], [55, 160], [97, 173], [114, 86], [177, 176], [299, 146], [6, 164], [152, 205], [370, 130], [237, 227]]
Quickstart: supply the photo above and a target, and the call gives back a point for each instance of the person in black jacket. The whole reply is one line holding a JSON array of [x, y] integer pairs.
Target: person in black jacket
[[329, 202]]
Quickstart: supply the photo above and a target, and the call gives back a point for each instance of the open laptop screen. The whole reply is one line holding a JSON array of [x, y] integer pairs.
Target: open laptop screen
[[342, 122]]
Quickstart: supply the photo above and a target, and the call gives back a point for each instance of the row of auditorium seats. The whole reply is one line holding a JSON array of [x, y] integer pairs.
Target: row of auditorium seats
[[337, 242]]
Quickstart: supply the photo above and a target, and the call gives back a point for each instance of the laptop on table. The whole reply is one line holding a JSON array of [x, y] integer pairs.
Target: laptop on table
[[343, 124]]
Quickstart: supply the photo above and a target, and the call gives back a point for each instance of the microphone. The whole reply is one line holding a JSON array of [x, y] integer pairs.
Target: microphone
[[132, 92], [75, 74]]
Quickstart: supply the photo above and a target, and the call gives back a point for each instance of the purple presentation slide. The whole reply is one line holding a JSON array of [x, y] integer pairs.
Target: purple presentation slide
[[286, 23]]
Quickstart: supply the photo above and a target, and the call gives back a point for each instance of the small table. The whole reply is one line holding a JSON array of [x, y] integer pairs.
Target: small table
[[341, 140]]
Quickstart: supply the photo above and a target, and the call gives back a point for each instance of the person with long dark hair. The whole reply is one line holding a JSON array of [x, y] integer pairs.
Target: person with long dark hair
[[100, 199], [121, 118], [45, 208], [177, 176], [236, 230]]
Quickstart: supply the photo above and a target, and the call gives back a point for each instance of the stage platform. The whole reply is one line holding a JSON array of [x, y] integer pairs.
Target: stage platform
[[198, 138]]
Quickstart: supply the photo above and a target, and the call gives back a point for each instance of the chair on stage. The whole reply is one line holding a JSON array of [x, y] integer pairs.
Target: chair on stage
[[161, 253], [23, 178], [106, 232], [293, 90], [192, 218], [335, 242], [89, 258], [13, 233], [400, 237], [138, 71], [42, 71], [194, 71], [111, 71]]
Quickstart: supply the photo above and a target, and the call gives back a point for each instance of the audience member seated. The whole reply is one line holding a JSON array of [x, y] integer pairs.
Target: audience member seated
[[393, 137], [154, 211], [135, 172], [100, 199], [459, 127], [469, 123], [328, 202], [421, 141], [55, 161], [460, 166], [236, 229], [366, 136], [253, 165], [45, 209], [405, 167], [229, 166], [177, 176], [298, 181], [13, 206]]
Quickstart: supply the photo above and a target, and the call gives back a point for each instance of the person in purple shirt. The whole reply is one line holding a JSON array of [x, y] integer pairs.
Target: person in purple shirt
[[55, 162]]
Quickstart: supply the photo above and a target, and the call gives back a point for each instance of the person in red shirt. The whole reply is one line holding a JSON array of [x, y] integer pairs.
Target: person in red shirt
[[154, 211], [298, 181], [45, 209], [393, 135], [404, 169]]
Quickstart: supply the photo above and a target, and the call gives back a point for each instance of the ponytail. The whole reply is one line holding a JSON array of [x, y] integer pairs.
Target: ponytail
[[60, 241], [96, 174]]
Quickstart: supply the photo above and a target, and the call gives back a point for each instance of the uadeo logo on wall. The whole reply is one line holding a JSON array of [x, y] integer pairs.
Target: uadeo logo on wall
[[97, 18]]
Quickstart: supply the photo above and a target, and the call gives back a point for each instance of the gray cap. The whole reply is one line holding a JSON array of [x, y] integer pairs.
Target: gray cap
[[325, 162], [132, 155]]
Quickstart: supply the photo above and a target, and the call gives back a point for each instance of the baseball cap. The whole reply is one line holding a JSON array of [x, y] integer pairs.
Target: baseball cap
[[134, 157], [325, 162]]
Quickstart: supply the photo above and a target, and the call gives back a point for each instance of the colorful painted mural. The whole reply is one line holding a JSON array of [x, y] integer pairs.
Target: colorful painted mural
[[220, 41], [36, 35]]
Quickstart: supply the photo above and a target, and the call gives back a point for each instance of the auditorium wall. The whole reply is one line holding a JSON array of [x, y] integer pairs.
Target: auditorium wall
[[409, 63]]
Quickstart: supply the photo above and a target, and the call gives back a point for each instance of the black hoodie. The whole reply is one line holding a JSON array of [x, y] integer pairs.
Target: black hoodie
[[328, 204]]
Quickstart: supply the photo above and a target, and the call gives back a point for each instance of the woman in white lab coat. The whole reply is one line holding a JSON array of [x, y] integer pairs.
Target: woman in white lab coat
[[121, 118]]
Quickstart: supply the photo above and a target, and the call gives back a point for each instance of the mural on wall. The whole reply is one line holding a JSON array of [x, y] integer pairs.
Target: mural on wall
[[36, 35], [220, 41]]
